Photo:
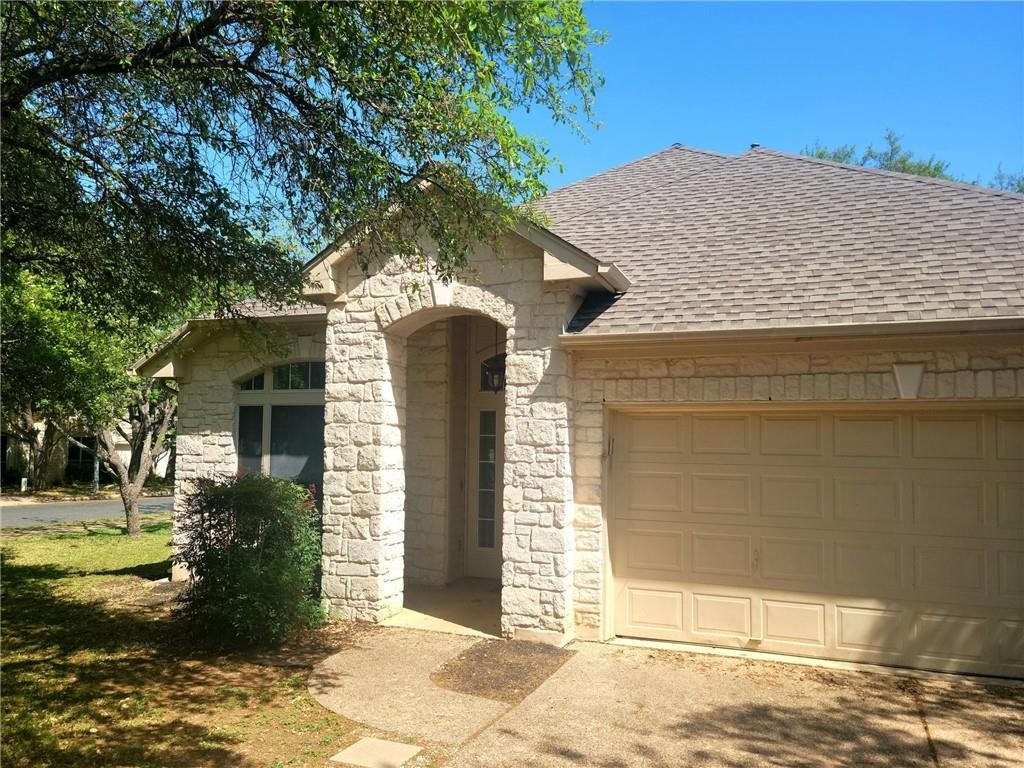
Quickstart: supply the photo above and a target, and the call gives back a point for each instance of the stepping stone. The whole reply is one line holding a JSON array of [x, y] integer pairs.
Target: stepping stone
[[376, 753]]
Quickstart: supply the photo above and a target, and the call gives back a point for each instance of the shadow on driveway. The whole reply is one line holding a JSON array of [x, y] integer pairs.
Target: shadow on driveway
[[615, 707]]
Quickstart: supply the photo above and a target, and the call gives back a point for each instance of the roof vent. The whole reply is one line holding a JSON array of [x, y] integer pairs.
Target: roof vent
[[755, 146]]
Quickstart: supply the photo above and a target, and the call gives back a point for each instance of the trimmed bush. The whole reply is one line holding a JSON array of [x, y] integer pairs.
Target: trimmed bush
[[252, 545]]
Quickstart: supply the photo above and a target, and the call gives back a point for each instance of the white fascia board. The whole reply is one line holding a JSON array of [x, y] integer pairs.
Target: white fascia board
[[579, 265]]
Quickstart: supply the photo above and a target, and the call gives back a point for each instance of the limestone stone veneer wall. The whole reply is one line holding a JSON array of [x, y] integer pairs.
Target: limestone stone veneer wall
[[366, 437], [426, 457], [960, 373], [207, 402]]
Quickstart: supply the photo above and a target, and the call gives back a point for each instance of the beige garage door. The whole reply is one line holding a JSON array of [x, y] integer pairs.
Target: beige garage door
[[886, 537]]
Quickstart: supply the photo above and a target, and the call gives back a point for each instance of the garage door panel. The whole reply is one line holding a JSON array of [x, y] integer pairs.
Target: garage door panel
[[722, 616], [880, 632], [656, 434], [716, 493], [953, 436], [866, 566], [655, 491], [648, 550], [1010, 505], [793, 495], [868, 435], [1009, 438], [651, 612], [711, 434], [721, 554], [1010, 574], [793, 559], [792, 435], [866, 497], [942, 501], [942, 569], [794, 623], [946, 637], [882, 537], [1010, 643]]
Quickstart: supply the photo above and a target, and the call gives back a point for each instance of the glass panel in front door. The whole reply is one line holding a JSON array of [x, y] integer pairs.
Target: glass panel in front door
[[486, 477]]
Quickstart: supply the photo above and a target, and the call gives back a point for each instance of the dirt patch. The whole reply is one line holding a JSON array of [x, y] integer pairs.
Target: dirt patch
[[502, 670]]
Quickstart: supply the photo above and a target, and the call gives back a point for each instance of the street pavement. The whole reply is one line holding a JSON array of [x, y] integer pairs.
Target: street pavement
[[21, 515]]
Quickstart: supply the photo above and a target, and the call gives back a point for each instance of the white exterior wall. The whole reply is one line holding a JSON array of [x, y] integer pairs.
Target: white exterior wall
[[602, 382], [426, 457]]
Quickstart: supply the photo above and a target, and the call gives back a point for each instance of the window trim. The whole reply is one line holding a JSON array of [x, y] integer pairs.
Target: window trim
[[269, 397]]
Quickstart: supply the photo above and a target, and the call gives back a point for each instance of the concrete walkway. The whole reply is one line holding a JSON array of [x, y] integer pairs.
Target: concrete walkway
[[385, 683], [619, 707]]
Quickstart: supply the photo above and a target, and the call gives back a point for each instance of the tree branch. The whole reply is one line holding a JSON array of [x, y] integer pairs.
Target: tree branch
[[155, 54]]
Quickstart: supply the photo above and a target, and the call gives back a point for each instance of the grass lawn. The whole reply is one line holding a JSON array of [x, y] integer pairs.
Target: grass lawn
[[95, 673]]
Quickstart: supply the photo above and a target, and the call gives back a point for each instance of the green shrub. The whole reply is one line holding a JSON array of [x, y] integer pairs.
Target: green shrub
[[252, 545]]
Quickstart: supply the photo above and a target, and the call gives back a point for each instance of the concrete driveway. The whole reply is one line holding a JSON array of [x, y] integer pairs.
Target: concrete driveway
[[21, 515], [618, 707]]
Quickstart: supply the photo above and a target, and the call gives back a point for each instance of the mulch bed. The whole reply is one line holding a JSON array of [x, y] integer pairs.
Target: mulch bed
[[502, 670]]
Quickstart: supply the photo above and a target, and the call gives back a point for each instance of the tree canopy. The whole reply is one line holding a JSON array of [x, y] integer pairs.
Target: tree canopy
[[64, 372], [893, 156], [157, 152]]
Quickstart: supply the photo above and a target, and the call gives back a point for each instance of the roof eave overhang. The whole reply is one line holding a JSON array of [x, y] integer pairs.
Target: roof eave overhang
[[320, 285], [579, 266], [1008, 328], [168, 361], [576, 265]]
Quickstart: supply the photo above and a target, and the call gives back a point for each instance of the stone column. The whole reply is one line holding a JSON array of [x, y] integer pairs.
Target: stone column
[[537, 543], [364, 478]]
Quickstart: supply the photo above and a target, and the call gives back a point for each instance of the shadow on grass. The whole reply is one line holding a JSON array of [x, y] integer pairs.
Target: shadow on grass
[[70, 666], [151, 523], [93, 675], [149, 571]]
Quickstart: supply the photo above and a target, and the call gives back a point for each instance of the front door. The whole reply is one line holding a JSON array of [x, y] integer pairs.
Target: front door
[[486, 428]]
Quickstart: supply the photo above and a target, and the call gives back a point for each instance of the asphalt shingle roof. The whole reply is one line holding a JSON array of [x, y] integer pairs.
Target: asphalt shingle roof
[[766, 239]]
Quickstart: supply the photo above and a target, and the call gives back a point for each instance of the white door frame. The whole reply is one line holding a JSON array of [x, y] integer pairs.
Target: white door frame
[[483, 562]]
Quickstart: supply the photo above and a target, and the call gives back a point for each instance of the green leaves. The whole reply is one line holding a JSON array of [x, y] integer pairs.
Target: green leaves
[[160, 154], [253, 545]]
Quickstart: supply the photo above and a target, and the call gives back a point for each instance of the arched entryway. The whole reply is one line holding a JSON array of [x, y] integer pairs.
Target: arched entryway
[[454, 416], [368, 408]]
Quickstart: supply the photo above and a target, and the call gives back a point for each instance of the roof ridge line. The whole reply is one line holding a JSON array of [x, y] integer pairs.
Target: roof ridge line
[[669, 148], [713, 153], [962, 185]]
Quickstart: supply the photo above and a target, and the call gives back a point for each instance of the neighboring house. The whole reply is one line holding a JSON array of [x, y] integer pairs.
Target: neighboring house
[[758, 401], [68, 463]]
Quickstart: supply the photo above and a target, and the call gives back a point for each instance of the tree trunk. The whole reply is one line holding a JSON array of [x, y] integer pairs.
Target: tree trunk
[[44, 457], [144, 429], [130, 499], [172, 462]]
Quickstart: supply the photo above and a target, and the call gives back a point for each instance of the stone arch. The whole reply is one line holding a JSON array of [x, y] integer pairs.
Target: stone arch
[[300, 349], [403, 315]]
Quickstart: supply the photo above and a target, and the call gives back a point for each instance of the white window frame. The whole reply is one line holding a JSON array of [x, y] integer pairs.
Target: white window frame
[[269, 397]]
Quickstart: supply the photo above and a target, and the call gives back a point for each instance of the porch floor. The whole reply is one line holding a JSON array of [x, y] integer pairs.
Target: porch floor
[[464, 607]]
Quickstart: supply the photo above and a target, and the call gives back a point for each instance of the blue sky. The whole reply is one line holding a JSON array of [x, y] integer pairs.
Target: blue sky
[[949, 77]]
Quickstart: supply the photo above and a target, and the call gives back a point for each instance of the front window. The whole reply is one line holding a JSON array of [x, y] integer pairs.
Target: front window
[[280, 430], [299, 376]]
